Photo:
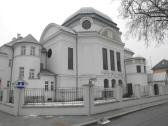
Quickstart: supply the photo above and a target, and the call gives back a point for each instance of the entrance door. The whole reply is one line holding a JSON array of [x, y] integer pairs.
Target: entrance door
[[130, 91], [156, 89]]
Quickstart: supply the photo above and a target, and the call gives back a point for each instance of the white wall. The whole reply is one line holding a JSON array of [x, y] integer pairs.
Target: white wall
[[27, 61], [3, 70], [58, 63], [132, 75], [40, 83]]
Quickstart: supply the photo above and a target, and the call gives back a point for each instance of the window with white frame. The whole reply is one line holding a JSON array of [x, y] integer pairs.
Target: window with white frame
[[10, 62], [32, 51], [31, 73], [21, 72], [23, 50], [46, 86]]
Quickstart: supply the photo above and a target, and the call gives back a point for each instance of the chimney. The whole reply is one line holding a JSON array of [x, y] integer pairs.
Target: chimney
[[18, 35]]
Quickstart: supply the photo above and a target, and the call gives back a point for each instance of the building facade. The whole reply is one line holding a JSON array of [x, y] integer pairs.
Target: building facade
[[87, 45], [160, 73]]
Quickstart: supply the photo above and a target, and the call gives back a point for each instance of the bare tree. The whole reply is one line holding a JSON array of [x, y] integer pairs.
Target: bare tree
[[147, 19]]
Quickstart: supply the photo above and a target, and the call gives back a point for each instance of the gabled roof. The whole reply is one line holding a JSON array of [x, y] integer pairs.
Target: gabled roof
[[28, 38], [161, 65]]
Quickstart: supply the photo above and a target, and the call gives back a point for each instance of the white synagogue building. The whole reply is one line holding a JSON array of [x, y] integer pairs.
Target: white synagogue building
[[87, 45]]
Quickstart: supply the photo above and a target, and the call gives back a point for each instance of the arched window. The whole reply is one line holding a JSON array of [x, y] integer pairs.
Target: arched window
[[106, 83], [113, 83], [120, 82]]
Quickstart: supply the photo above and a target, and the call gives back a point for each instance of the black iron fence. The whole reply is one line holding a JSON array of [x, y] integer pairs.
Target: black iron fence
[[101, 93], [1, 95], [60, 95], [144, 90], [10, 94]]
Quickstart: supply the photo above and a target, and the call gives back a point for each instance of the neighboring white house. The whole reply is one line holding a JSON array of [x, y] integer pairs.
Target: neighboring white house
[[160, 73], [87, 45]]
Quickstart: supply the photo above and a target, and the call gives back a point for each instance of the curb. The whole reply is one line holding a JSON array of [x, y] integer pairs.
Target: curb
[[121, 114]]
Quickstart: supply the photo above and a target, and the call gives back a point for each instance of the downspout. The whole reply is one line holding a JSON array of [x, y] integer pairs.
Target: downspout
[[11, 65], [125, 72], [77, 63]]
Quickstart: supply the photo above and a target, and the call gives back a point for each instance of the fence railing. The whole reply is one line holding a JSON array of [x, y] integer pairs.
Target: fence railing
[[165, 89], [59, 95], [1, 95], [10, 95], [128, 93], [103, 94], [144, 90]]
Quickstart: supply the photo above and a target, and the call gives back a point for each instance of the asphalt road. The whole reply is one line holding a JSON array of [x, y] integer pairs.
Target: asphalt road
[[155, 116]]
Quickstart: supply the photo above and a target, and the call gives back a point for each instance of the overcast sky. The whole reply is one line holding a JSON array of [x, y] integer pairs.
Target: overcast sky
[[32, 16]]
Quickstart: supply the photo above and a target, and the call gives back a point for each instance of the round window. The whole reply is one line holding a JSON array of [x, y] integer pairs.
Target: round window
[[86, 24], [49, 53]]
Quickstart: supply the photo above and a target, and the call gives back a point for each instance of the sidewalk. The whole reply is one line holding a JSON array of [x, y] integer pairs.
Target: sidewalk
[[85, 120]]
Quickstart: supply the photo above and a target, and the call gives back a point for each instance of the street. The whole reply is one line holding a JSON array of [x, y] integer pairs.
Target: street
[[155, 116]]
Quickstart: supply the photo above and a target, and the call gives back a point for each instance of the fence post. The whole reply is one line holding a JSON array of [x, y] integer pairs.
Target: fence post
[[88, 92], [18, 99], [137, 91], [151, 90], [5, 96], [118, 93], [161, 90]]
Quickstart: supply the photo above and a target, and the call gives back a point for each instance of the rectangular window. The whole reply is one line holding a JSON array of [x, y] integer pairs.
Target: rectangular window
[[105, 60], [41, 66], [118, 62], [31, 73], [144, 69], [8, 84], [138, 67], [46, 86], [70, 58], [21, 72], [10, 63], [23, 50], [52, 85], [112, 61], [39, 52], [32, 51]]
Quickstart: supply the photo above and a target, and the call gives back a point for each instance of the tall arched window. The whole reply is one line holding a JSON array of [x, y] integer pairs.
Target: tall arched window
[[120, 82], [113, 83], [106, 83]]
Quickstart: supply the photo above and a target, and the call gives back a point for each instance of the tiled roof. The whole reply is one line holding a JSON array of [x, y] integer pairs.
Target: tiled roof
[[88, 10], [161, 65], [46, 72], [28, 38]]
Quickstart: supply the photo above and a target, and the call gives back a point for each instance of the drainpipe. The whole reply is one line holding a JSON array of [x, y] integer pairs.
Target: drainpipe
[[11, 64], [77, 75], [77, 64], [125, 72]]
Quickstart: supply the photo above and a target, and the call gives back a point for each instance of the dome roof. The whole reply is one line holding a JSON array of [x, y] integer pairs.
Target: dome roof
[[88, 10]]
